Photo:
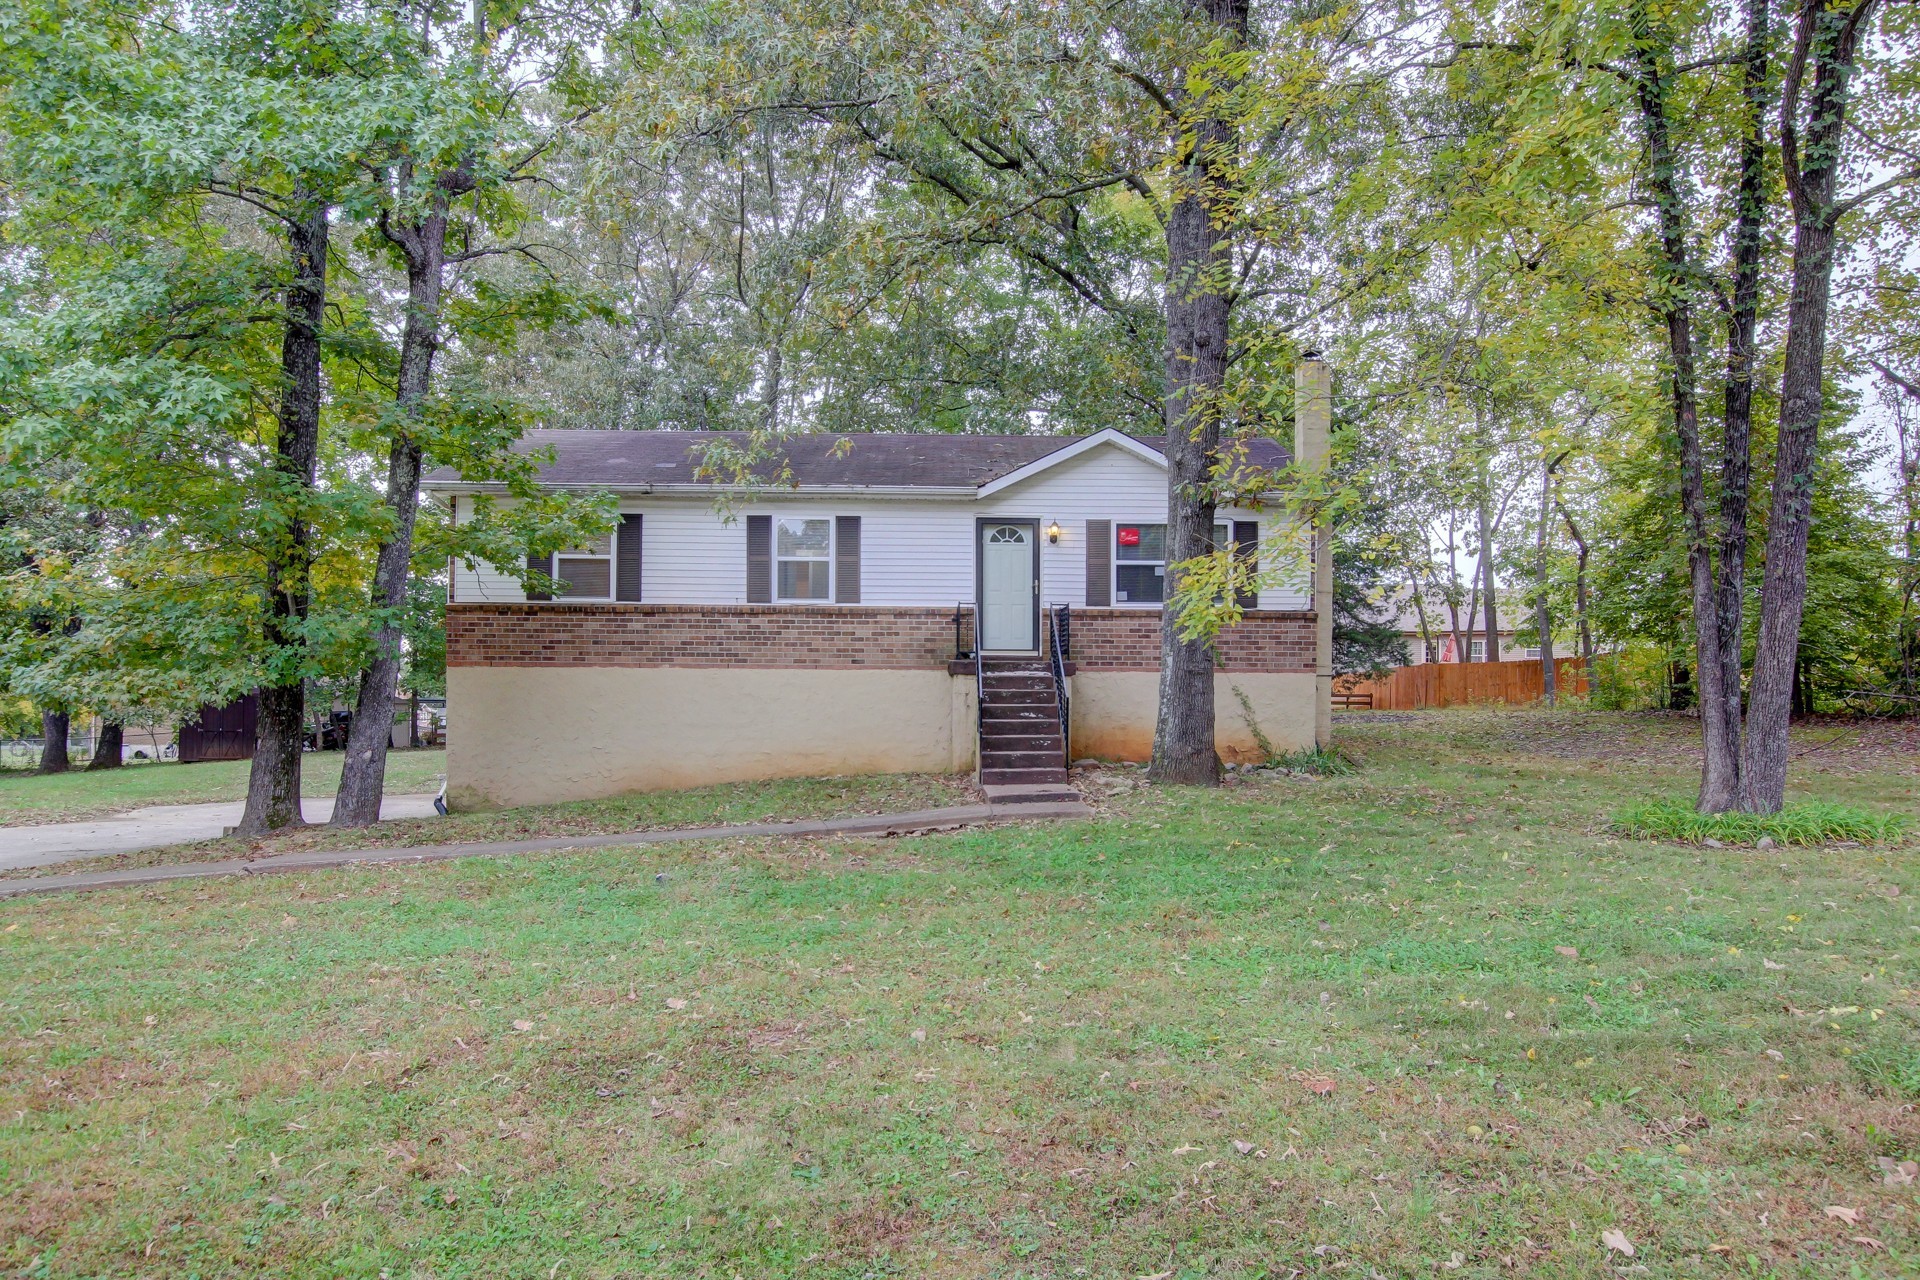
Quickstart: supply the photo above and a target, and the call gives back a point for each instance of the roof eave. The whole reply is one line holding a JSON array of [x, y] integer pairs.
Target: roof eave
[[457, 487]]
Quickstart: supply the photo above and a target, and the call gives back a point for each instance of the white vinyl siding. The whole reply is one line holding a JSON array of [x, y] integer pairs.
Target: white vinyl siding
[[913, 552]]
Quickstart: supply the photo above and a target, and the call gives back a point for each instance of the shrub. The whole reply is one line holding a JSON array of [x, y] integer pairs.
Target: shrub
[[1328, 762], [1810, 823]]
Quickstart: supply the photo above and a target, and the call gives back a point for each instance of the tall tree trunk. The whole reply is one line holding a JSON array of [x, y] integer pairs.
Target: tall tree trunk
[[106, 752], [1587, 653], [1545, 620], [273, 785], [1420, 616], [1736, 458], [1489, 604], [1907, 467], [1671, 301], [424, 243], [1828, 38], [1199, 280], [54, 727]]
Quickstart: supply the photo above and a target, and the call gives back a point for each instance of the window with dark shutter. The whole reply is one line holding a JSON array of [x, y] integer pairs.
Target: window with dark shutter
[[540, 564], [759, 559], [1246, 546], [846, 559], [1099, 563], [626, 567]]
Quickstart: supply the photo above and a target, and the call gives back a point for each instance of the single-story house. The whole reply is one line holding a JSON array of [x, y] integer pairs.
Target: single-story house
[[1518, 640], [851, 618]]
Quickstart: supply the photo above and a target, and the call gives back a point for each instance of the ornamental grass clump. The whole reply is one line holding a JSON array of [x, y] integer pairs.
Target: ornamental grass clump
[[1811, 822], [1326, 762]]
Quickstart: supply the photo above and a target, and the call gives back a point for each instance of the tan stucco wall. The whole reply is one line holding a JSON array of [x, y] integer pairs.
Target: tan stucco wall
[[1113, 713], [535, 735]]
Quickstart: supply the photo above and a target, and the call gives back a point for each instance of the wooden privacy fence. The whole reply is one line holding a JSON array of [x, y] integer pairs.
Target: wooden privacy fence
[[1456, 684]]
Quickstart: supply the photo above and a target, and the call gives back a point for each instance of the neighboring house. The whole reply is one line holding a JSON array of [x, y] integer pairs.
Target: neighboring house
[[830, 625], [1517, 640]]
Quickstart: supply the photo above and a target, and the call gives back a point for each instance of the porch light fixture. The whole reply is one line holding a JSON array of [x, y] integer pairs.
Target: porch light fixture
[[1053, 533]]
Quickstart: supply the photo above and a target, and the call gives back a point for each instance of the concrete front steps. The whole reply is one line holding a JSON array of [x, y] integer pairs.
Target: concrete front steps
[[1020, 741]]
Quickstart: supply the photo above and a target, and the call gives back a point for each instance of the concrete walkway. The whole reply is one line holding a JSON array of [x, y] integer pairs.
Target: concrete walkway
[[151, 827], [873, 824]]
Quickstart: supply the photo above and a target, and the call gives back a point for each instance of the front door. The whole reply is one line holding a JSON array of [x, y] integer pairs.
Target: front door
[[1009, 589]]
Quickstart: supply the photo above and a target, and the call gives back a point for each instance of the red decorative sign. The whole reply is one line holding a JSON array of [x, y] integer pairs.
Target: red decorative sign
[[1129, 537]]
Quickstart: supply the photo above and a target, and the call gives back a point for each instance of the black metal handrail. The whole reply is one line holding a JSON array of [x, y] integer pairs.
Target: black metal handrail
[[979, 712], [1057, 654], [960, 651]]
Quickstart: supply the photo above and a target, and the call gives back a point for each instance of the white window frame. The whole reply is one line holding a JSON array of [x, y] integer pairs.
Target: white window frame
[[1223, 531], [774, 558], [612, 559]]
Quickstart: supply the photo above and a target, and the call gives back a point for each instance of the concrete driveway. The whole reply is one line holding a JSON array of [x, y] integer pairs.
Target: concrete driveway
[[160, 824]]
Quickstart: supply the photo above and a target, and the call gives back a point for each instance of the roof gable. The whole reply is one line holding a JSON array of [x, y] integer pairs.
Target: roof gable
[[1105, 438]]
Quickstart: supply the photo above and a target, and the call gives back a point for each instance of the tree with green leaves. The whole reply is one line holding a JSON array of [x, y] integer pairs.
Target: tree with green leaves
[[469, 137]]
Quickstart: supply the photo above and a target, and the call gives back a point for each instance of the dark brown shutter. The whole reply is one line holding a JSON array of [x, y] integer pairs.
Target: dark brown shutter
[[540, 564], [846, 559], [1099, 563], [626, 560], [759, 559], [1246, 546]]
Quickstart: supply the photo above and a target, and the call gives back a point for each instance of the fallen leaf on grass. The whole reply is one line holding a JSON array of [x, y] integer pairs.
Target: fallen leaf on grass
[[1617, 1241], [1839, 1211], [1771, 965], [675, 1002], [1571, 953], [521, 1024], [1897, 1173], [1320, 1085], [1869, 1241], [1158, 1275], [1244, 1148], [918, 1034]]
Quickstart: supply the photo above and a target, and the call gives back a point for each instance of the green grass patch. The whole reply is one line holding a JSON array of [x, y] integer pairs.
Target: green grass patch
[[1429, 1020], [769, 800], [1805, 823], [67, 797]]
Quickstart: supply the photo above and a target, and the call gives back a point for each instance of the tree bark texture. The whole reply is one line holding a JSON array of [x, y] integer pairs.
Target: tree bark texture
[[1199, 281], [1826, 40], [1674, 282], [1736, 458], [1489, 601], [424, 243], [106, 751], [1588, 654], [54, 726], [273, 785], [1542, 616]]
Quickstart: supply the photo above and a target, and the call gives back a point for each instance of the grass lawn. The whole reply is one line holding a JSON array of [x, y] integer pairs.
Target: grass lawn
[[1431, 1019], [27, 798], [780, 799]]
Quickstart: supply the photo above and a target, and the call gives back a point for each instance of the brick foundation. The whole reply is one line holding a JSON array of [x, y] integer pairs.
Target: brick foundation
[[824, 637], [1129, 640], [666, 635]]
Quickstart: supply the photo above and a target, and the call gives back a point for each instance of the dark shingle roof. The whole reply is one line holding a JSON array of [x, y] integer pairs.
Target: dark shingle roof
[[622, 459]]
